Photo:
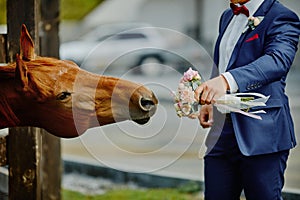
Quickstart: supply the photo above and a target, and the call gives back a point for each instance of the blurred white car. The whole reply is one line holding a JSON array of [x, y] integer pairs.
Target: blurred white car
[[118, 47]]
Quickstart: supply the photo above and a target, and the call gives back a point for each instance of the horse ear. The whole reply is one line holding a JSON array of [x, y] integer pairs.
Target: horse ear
[[26, 45], [21, 77]]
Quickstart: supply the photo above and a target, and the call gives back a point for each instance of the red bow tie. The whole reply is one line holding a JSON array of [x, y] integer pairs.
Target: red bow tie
[[239, 9]]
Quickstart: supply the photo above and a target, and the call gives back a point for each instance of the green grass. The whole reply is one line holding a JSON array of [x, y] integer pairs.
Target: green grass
[[77, 9], [128, 194], [69, 9], [2, 11]]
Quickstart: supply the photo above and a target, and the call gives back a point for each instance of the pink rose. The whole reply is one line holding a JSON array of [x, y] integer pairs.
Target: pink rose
[[190, 75]]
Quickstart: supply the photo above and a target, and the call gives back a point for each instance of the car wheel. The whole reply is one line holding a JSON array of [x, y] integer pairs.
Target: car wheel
[[151, 66]]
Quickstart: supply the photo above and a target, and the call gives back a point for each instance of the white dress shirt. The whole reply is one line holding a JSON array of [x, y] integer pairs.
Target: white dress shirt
[[230, 38]]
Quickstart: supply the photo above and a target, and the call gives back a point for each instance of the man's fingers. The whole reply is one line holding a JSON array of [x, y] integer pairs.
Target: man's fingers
[[203, 94], [204, 122], [198, 93], [208, 92], [207, 96], [206, 116]]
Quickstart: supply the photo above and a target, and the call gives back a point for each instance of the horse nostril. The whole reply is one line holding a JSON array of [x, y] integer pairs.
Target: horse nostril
[[146, 104]]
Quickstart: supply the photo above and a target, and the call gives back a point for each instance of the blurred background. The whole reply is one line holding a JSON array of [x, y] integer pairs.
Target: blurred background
[[152, 42]]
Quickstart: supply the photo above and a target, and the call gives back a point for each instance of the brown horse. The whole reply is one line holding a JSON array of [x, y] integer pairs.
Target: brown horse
[[63, 99]]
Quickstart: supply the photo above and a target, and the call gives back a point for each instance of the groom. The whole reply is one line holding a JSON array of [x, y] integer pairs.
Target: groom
[[254, 51]]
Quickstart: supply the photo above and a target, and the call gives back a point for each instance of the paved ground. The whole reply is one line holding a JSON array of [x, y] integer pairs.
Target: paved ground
[[292, 174], [167, 145]]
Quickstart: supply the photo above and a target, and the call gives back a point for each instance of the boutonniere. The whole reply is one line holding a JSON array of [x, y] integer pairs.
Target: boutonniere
[[253, 22]]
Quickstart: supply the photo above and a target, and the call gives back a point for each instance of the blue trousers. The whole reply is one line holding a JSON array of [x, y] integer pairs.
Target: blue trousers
[[228, 172]]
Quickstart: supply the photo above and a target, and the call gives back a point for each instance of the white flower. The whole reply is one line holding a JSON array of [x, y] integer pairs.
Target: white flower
[[187, 95], [186, 109], [253, 22]]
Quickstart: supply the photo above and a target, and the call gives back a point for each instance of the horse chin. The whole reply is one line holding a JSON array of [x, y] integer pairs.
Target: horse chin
[[66, 132], [142, 121]]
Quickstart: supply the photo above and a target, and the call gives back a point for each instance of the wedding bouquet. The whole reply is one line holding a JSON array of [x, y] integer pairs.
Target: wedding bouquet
[[186, 104]]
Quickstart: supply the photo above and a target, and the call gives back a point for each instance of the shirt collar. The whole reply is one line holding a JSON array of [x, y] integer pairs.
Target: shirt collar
[[253, 5]]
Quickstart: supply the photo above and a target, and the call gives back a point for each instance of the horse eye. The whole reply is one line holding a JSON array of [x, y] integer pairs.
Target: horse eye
[[63, 96]]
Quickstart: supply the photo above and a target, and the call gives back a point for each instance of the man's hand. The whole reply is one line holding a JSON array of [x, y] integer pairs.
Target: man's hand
[[206, 116], [209, 91]]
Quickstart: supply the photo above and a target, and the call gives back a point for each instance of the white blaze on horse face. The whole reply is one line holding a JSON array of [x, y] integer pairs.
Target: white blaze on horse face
[[62, 71], [63, 92]]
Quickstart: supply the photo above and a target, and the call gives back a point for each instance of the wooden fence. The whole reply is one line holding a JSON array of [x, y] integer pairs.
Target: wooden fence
[[31, 155]]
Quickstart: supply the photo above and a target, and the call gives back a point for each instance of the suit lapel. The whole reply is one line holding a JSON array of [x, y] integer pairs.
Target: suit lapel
[[262, 11], [264, 8], [236, 50], [227, 19]]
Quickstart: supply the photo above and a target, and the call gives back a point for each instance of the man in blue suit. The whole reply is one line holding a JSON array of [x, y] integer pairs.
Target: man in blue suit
[[255, 49]]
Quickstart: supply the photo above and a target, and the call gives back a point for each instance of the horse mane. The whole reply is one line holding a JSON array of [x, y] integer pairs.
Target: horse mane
[[7, 116], [8, 71]]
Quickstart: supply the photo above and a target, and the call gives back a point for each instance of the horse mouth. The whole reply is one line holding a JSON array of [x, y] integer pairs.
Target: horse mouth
[[142, 121]]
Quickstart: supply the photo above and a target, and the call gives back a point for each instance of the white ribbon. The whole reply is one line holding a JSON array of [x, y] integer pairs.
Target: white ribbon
[[233, 103]]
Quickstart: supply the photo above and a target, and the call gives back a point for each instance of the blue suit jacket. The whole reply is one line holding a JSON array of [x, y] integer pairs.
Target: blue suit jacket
[[260, 63]]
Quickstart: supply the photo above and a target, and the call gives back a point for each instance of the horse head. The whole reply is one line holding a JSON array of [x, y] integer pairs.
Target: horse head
[[65, 100]]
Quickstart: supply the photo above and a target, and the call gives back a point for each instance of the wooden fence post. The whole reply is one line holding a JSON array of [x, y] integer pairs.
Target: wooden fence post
[[22, 12], [24, 142], [2, 48], [31, 166], [24, 150], [51, 150], [24, 145]]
